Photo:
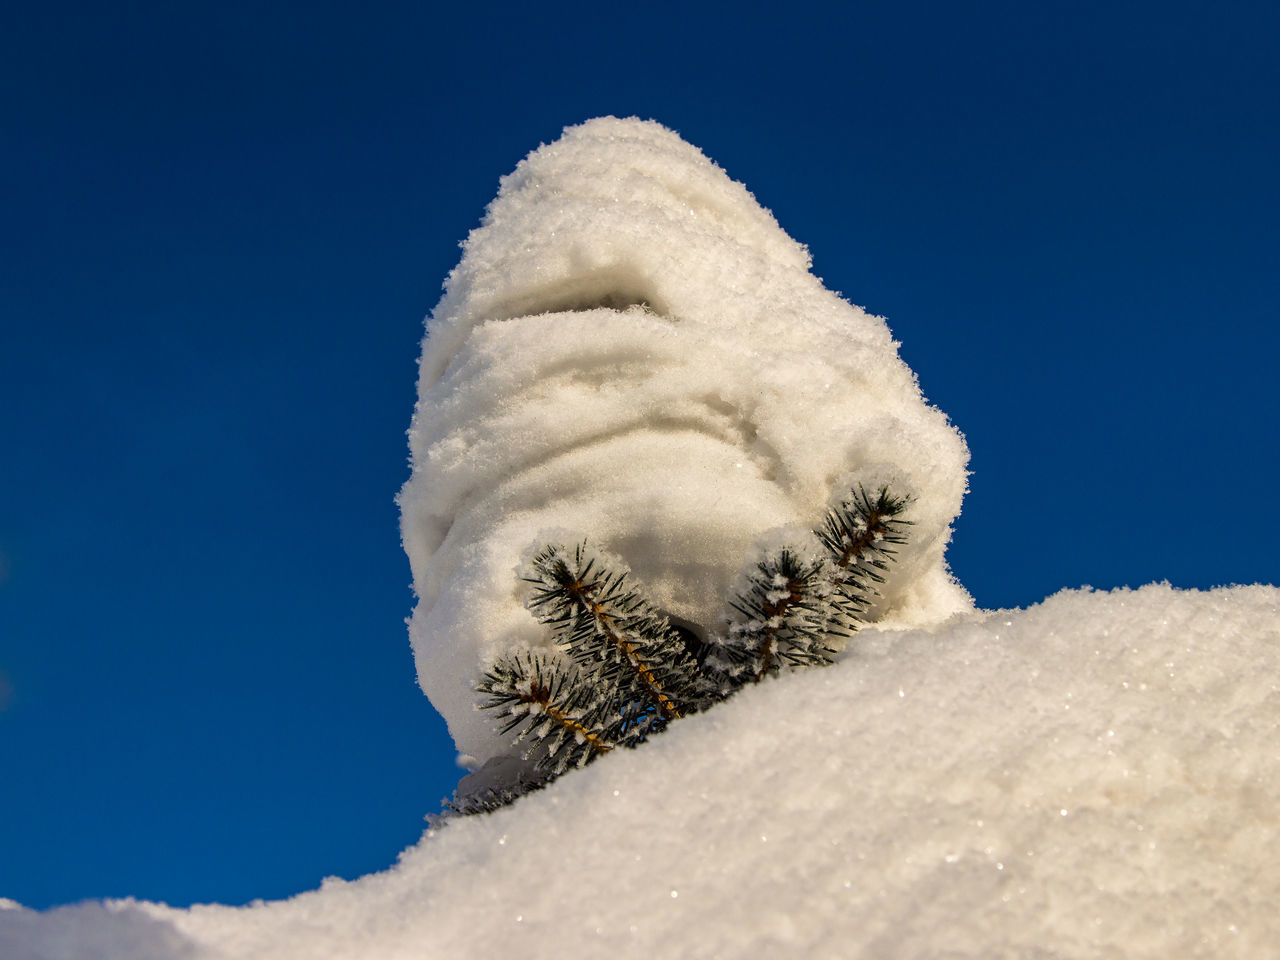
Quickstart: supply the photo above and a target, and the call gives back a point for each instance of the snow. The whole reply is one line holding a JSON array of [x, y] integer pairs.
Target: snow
[[632, 350], [1092, 777]]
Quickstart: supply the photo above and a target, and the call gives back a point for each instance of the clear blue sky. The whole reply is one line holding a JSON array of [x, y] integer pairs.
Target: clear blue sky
[[223, 225]]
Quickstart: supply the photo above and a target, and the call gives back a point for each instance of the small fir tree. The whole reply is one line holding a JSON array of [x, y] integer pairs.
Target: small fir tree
[[619, 672]]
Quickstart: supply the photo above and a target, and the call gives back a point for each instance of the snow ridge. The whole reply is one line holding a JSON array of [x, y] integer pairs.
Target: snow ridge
[[1092, 777]]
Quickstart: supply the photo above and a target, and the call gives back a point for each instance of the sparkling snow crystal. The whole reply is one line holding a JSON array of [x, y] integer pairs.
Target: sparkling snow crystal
[[632, 350]]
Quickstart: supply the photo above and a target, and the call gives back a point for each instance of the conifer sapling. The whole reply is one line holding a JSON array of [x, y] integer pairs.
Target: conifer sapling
[[619, 672]]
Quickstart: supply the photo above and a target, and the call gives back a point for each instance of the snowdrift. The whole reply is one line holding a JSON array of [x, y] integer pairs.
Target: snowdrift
[[1093, 777]]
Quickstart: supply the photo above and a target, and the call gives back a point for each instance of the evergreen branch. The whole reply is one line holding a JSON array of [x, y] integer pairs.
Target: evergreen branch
[[483, 801], [551, 704], [782, 616], [499, 781], [635, 672], [630, 650], [610, 628], [860, 535], [864, 529], [775, 602]]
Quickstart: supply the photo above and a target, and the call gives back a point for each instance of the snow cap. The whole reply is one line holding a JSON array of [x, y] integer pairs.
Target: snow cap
[[632, 350]]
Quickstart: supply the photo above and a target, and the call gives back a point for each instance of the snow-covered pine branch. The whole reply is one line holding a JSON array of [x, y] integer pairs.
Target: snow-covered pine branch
[[609, 627], [620, 672], [548, 702], [807, 593], [781, 617], [861, 534]]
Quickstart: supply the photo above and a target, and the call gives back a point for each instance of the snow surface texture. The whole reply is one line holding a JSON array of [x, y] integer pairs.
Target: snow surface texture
[[1093, 777], [632, 350]]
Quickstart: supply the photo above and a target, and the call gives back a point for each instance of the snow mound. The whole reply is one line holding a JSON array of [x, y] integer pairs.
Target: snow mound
[[632, 349], [1092, 777]]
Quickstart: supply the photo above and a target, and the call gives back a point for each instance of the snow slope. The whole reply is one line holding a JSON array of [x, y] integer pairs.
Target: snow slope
[[1093, 777], [631, 349]]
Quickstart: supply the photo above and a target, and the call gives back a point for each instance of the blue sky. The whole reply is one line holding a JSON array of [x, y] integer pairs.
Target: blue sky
[[224, 224]]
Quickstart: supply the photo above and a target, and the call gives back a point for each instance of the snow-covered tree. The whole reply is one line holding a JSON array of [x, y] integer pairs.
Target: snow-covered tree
[[632, 349]]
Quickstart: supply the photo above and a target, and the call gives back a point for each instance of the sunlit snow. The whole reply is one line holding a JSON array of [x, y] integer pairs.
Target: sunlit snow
[[631, 348], [1095, 776]]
